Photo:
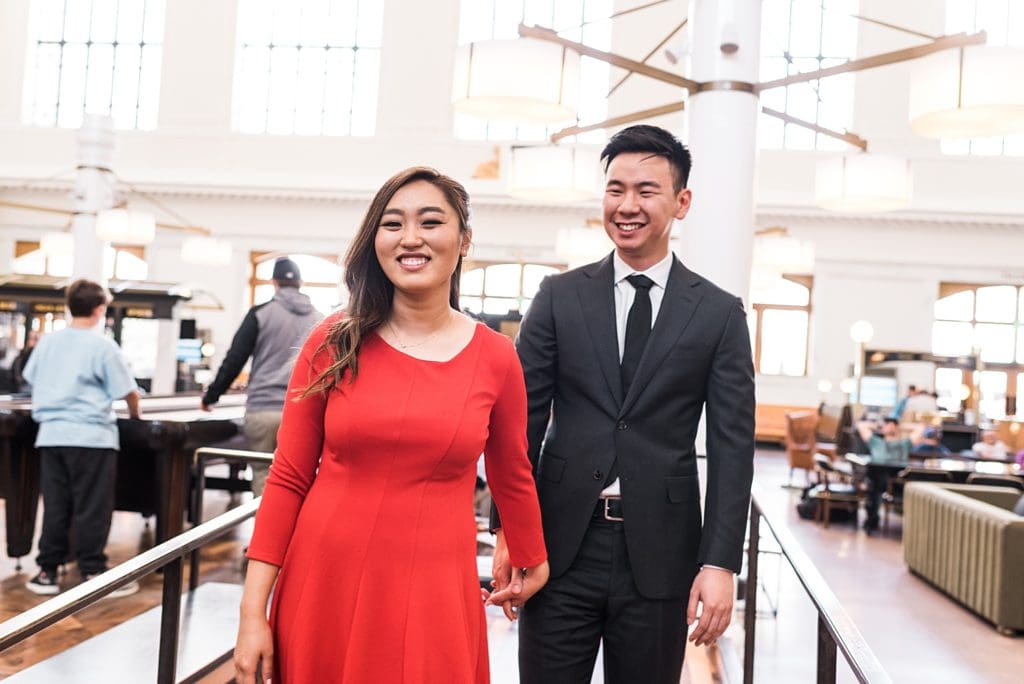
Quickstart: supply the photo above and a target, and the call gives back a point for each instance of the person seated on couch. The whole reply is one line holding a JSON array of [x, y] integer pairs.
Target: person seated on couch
[[990, 446]]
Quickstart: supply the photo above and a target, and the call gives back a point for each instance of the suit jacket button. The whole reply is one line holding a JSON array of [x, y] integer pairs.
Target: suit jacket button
[[622, 425], [598, 475]]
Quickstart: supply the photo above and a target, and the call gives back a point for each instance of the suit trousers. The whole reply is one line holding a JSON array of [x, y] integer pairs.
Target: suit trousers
[[77, 484], [561, 628], [261, 435]]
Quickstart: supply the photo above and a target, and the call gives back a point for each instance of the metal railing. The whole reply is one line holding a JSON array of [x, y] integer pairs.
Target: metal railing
[[836, 631], [203, 457], [169, 555]]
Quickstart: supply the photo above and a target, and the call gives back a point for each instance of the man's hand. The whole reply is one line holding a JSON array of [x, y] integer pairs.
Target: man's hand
[[714, 590], [203, 406], [524, 583]]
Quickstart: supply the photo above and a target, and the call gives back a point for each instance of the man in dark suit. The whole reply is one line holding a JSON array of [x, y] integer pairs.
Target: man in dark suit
[[621, 357]]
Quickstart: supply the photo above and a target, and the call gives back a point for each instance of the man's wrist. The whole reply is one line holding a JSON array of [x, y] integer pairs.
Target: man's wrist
[[717, 567]]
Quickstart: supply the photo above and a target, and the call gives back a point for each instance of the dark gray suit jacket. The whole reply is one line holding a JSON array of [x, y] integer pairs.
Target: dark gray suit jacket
[[698, 355]]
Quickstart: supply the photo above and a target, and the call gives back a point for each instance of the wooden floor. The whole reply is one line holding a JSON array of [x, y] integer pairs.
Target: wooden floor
[[919, 634]]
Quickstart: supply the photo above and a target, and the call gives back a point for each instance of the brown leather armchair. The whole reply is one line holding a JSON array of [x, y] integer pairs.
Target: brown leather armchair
[[800, 441]]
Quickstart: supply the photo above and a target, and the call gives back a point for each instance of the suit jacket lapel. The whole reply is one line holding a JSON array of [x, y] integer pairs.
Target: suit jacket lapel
[[597, 299], [682, 296]]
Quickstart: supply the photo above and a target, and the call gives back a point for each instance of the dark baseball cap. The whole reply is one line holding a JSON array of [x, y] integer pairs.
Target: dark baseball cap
[[286, 269]]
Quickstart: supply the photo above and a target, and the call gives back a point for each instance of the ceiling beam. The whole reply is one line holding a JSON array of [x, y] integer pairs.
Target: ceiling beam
[[620, 120], [956, 40], [547, 34], [845, 136], [650, 54]]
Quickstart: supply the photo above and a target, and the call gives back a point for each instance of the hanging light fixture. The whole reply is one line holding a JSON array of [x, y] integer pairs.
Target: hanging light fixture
[[775, 250], [57, 244], [975, 91], [205, 251], [865, 182], [125, 226], [554, 172], [583, 245], [522, 79]]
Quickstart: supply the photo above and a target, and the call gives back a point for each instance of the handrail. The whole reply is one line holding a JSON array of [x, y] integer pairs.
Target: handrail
[[202, 455], [167, 555], [835, 627]]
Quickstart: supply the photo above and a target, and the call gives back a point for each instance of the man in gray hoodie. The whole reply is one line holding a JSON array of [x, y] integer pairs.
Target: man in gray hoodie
[[271, 333]]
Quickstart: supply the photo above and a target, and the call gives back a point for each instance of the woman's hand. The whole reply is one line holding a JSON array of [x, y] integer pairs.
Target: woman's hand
[[254, 648], [525, 583]]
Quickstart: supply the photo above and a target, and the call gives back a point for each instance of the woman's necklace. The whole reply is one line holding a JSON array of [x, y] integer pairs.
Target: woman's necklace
[[411, 345]]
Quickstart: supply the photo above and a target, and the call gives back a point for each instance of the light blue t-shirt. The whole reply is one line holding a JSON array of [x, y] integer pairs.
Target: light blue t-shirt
[[75, 375]]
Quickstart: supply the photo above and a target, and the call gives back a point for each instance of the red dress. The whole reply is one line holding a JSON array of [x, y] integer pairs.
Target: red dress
[[368, 511]]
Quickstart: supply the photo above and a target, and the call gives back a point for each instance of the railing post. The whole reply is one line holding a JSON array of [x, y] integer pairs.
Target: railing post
[[826, 654], [199, 487], [750, 603], [170, 618]]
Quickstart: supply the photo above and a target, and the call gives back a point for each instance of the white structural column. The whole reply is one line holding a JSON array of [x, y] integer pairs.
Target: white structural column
[[716, 238], [94, 191]]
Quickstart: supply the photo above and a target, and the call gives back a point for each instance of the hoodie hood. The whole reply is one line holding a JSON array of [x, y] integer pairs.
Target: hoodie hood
[[294, 301]]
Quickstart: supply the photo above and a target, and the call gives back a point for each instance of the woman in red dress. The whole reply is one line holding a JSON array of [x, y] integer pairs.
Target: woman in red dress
[[366, 531]]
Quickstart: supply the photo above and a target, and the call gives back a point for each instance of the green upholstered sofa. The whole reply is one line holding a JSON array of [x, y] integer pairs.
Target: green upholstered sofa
[[966, 540]]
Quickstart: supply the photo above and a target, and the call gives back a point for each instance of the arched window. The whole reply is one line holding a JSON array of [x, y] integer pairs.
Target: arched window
[[779, 322], [586, 21], [1003, 21], [307, 67], [120, 262], [989, 320], [798, 36], [500, 288], [98, 57], [321, 278]]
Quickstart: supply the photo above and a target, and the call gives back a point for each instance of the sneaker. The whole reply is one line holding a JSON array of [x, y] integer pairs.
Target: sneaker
[[123, 590], [44, 583]]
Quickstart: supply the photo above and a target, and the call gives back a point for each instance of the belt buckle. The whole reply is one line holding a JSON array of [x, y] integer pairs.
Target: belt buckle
[[607, 513]]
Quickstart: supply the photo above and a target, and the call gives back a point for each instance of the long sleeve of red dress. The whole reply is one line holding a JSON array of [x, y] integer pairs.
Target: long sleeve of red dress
[[368, 511]]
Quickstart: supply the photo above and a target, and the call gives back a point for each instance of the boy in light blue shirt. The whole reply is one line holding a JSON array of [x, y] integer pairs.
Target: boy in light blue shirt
[[76, 374]]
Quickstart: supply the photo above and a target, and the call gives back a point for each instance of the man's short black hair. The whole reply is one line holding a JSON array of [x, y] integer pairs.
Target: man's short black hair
[[83, 296], [890, 419], [654, 141]]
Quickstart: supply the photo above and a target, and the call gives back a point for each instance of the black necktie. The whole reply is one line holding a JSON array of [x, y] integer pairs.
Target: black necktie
[[638, 329]]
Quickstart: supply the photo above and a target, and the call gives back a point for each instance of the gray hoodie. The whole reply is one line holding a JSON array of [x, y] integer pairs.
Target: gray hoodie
[[271, 333]]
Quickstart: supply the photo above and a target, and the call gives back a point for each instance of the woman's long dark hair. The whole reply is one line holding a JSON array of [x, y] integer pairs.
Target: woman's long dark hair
[[370, 291]]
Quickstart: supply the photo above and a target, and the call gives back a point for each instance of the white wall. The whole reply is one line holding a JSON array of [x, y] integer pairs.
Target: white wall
[[293, 193]]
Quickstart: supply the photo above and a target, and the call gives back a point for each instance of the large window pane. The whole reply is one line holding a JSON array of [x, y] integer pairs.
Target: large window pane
[[956, 307], [105, 56], [992, 388], [307, 67], [503, 280], [807, 35], [783, 342], [952, 339], [997, 304], [472, 282], [995, 342], [533, 275], [949, 385]]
